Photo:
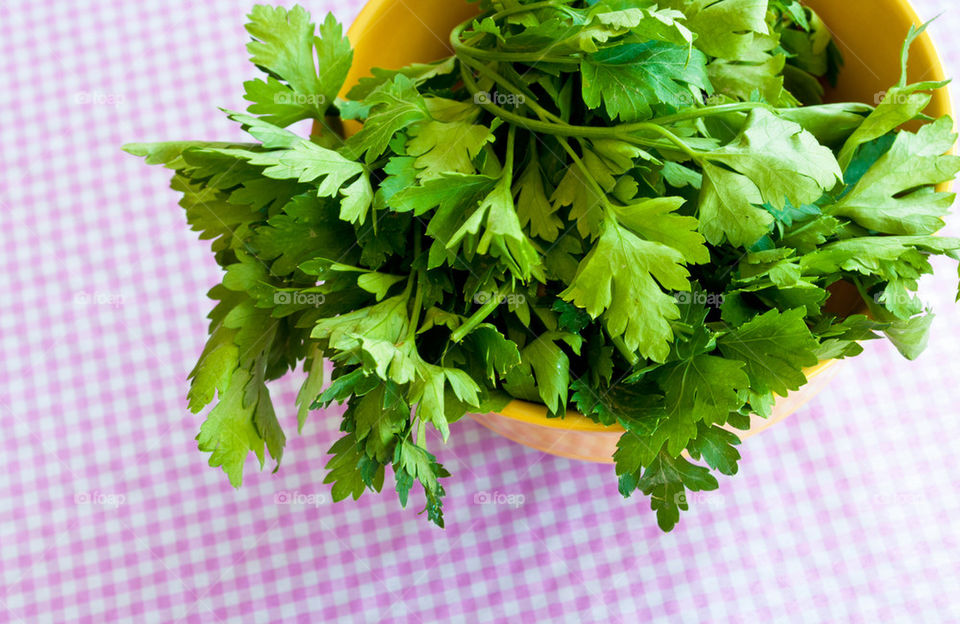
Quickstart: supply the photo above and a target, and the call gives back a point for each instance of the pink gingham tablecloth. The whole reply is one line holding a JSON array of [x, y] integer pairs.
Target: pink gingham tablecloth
[[847, 512]]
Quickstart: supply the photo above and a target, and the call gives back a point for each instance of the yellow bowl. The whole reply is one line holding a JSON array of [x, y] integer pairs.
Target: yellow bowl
[[394, 33]]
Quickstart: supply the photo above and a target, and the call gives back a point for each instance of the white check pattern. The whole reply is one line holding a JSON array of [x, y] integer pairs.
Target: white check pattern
[[845, 513]]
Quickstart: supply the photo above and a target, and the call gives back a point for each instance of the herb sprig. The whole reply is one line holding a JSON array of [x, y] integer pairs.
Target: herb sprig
[[636, 210]]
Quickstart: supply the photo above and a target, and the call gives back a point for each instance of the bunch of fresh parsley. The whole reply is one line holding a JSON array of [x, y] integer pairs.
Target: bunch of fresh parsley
[[636, 210]]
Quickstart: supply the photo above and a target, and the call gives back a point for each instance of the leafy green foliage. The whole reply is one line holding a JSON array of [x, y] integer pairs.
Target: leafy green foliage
[[666, 479], [285, 47], [775, 348], [624, 273], [639, 211], [780, 158], [703, 388], [632, 78], [893, 196], [393, 106]]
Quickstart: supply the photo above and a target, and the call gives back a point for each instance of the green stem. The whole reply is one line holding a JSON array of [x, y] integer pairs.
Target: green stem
[[418, 299], [421, 433], [527, 122], [499, 79], [559, 123], [858, 284], [508, 161], [547, 4], [461, 48], [710, 111], [566, 129], [514, 57], [621, 346], [680, 143], [478, 317], [586, 172], [415, 318], [620, 133], [794, 232]]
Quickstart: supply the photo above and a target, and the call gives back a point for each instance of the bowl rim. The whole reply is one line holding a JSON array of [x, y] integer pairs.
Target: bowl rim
[[536, 413]]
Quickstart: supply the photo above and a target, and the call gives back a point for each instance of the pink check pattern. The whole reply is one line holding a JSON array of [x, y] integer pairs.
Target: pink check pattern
[[847, 512]]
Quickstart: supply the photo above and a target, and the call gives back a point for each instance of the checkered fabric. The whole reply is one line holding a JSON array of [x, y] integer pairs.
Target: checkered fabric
[[846, 512]]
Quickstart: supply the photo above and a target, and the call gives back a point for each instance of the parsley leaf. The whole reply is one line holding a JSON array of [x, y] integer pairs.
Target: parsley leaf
[[783, 161], [775, 347], [893, 196], [284, 46], [630, 79], [624, 274], [393, 107], [638, 211], [666, 481]]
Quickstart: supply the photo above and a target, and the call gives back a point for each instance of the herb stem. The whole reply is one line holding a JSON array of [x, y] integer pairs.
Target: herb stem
[[478, 317], [496, 77], [680, 143], [591, 181], [463, 49], [632, 358], [710, 111], [511, 143], [562, 129], [794, 232], [418, 299], [546, 4]]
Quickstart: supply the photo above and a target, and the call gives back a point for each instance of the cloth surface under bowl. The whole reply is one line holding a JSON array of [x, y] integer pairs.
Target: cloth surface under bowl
[[108, 513]]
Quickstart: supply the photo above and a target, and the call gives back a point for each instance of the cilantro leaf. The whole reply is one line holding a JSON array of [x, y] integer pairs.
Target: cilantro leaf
[[533, 206], [498, 353], [503, 237], [311, 388], [901, 103], [633, 406], [427, 392], [703, 388], [717, 446], [413, 463], [308, 162], [308, 227], [418, 73], [911, 336], [657, 220], [393, 107], [728, 208], [729, 29], [441, 148], [380, 416], [344, 469], [229, 433]]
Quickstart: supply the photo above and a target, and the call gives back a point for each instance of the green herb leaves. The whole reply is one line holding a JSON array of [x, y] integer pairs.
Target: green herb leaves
[[622, 275], [633, 78], [775, 347], [784, 161], [599, 206], [284, 46], [894, 195]]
